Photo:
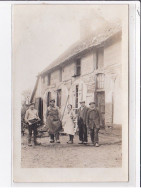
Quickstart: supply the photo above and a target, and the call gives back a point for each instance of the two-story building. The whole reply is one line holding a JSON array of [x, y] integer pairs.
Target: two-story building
[[89, 70]]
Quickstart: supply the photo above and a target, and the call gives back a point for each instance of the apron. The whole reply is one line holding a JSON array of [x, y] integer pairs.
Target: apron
[[53, 122], [68, 123]]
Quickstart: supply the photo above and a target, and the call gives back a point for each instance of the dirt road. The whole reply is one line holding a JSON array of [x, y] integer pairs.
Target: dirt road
[[63, 155]]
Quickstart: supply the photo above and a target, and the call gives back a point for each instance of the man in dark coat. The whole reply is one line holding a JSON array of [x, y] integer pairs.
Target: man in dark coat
[[82, 115], [53, 122], [93, 123]]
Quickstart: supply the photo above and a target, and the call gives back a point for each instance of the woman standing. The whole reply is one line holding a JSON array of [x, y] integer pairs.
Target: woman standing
[[69, 123]]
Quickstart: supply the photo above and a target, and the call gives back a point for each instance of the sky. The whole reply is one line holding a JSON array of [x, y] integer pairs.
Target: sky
[[40, 33]]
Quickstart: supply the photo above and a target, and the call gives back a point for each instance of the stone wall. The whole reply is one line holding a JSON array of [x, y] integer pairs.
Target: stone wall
[[112, 69], [87, 82]]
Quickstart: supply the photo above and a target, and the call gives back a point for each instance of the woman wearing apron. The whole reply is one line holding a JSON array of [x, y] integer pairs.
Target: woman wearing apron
[[68, 123]]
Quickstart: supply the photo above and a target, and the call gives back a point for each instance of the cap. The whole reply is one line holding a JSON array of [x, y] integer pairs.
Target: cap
[[52, 100], [82, 102], [91, 103]]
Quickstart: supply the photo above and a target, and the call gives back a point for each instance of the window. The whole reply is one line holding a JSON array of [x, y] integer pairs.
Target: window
[[48, 98], [100, 57], [100, 81], [48, 83], [77, 68], [59, 98]]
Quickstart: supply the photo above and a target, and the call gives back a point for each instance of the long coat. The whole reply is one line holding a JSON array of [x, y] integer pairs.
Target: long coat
[[53, 122], [93, 119], [84, 117]]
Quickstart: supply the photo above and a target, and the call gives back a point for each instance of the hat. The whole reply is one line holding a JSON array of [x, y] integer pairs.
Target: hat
[[82, 102], [91, 103], [52, 100]]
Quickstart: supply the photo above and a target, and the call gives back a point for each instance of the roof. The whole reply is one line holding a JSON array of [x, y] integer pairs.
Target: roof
[[93, 40]]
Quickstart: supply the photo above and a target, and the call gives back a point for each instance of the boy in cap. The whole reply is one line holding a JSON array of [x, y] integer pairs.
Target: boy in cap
[[93, 123], [82, 114], [30, 117], [53, 121]]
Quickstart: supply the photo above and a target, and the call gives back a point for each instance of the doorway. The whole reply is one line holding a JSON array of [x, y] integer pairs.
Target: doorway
[[100, 104], [48, 98], [59, 93], [39, 107]]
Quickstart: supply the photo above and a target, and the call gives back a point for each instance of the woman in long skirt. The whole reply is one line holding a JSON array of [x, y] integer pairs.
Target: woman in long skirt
[[69, 123]]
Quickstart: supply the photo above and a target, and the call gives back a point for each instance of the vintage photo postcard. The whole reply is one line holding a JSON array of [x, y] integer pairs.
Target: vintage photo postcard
[[70, 92]]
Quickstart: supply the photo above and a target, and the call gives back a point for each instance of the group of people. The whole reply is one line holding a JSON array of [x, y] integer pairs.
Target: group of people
[[88, 120]]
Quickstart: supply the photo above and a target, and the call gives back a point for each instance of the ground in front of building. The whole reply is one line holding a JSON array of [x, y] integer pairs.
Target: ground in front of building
[[108, 155]]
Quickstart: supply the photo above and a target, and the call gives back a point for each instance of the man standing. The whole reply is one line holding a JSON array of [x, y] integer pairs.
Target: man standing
[[53, 122], [82, 115], [31, 117], [93, 123]]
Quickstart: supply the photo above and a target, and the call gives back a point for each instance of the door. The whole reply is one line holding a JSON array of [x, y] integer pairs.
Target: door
[[59, 98], [39, 107], [48, 98], [100, 103]]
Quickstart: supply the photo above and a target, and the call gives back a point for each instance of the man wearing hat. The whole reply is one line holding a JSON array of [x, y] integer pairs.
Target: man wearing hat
[[53, 121], [93, 123], [82, 115], [31, 117]]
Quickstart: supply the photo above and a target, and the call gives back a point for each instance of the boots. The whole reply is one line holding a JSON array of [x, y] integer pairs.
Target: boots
[[36, 143], [29, 142], [51, 138], [71, 139]]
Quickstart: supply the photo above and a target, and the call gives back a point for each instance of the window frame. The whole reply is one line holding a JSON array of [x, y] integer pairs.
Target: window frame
[[78, 66], [97, 57], [100, 81], [49, 77]]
